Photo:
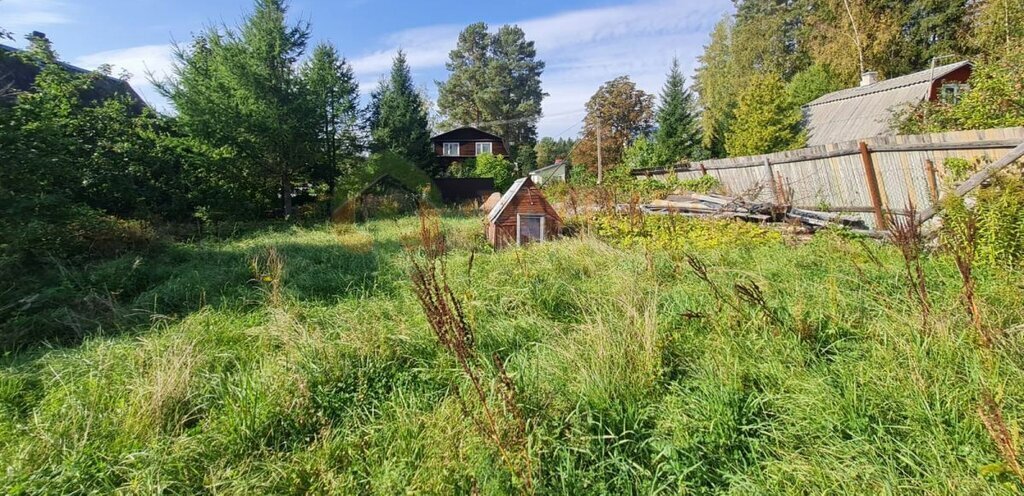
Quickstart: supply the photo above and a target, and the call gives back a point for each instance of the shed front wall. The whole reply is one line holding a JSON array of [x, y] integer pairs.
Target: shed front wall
[[528, 202]]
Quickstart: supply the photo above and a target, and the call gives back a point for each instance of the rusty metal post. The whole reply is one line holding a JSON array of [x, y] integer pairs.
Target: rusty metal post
[[933, 183], [872, 180]]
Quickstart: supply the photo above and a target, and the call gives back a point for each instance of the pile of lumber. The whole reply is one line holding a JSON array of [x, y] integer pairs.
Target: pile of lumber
[[727, 207]]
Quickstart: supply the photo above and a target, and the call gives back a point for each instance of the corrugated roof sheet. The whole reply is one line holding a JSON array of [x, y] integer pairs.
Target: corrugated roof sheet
[[506, 199], [866, 111]]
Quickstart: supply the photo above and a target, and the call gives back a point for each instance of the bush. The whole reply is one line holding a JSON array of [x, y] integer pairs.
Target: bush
[[674, 233], [72, 232], [999, 216], [495, 166]]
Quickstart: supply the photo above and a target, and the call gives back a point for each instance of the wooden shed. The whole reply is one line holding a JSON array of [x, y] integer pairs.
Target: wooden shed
[[522, 216]]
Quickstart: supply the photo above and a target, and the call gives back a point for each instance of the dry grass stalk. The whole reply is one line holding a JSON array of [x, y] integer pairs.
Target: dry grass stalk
[[701, 270], [964, 254], [752, 295], [448, 321], [992, 417], [906, 234], [268, 271]]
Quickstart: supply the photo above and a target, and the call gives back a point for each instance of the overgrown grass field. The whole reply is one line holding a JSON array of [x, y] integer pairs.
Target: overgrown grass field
[[296, 360]]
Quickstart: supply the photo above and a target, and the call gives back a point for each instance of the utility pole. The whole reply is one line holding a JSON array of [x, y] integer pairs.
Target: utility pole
[[600, 169]]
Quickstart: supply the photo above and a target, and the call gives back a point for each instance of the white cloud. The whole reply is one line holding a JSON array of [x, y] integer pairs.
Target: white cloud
[[582, 49], [139, 62], [23, 16]]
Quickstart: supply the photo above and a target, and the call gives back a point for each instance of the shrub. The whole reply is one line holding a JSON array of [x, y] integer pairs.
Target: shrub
[[999, 215], [674, 233], [73, 232], [495, 166]]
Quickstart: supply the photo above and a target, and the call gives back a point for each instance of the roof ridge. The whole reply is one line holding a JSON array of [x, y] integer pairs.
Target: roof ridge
[[890, 84]]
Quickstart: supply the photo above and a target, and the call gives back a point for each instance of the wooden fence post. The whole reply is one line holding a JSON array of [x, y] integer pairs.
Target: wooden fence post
[[933, 184], [771, 181], [872, 180]]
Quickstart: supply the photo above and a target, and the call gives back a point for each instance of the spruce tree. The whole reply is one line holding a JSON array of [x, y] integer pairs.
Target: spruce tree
[[398, 118], [334, 107], [678, 133]]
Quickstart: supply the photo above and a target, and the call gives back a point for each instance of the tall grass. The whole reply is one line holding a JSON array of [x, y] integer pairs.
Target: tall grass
[[633, 373]]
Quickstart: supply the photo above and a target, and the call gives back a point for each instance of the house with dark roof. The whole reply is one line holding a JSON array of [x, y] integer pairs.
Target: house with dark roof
[[19, 75], [465, 143], [866, 111]]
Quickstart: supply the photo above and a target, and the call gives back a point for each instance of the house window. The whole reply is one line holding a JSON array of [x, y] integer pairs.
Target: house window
[[482, 148], [952, 92], [451, 149], [529, 228]]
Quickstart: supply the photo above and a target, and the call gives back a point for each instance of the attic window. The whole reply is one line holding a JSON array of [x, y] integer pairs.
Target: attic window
[[484, 147], [952, 92], [451, 149]]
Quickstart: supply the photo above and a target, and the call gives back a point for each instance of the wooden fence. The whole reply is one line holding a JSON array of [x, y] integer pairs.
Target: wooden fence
[[867, 178]]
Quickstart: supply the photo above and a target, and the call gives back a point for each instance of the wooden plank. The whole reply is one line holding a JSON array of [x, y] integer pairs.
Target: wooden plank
[[979, 177]]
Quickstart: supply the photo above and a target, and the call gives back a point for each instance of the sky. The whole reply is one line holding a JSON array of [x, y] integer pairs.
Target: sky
[[583, 43]]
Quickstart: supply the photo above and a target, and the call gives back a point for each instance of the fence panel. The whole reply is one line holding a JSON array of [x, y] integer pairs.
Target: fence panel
[[832, 176]]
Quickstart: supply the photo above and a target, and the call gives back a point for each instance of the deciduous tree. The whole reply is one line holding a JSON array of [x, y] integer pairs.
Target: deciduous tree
[[621, 112]]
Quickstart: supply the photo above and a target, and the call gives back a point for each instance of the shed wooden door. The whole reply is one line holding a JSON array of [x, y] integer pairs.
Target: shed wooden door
[[529, 228]]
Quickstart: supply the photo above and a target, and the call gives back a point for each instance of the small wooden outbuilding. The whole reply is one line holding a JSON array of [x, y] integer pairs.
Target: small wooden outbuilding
[[522, 216]]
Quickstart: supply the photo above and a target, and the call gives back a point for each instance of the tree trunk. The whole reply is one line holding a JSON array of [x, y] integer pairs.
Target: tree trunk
[[286, 194]]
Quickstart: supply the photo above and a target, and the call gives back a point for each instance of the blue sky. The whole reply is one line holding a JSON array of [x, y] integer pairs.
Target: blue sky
[[584, 43]]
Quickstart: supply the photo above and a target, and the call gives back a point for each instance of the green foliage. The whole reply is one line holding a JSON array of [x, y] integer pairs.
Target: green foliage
[[811, 83], [334, 100], [495, 166], [242, 89], [993, 100], [765, 119], [644, 153], [998, 28], [682, 234], [398, 120], [957, 168], [678, 135], [494, 78], [998, 215], [549, 149]]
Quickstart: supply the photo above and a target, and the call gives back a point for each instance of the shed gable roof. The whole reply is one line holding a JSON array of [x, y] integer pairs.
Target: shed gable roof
[[506, 198]]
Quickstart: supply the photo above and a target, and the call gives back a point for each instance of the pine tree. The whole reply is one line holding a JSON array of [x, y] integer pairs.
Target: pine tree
[[398, 118], [765, 119], [678, 133], [494, 80]]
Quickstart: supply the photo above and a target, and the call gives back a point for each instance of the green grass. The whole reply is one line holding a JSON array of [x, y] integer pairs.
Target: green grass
[[633, 377]]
